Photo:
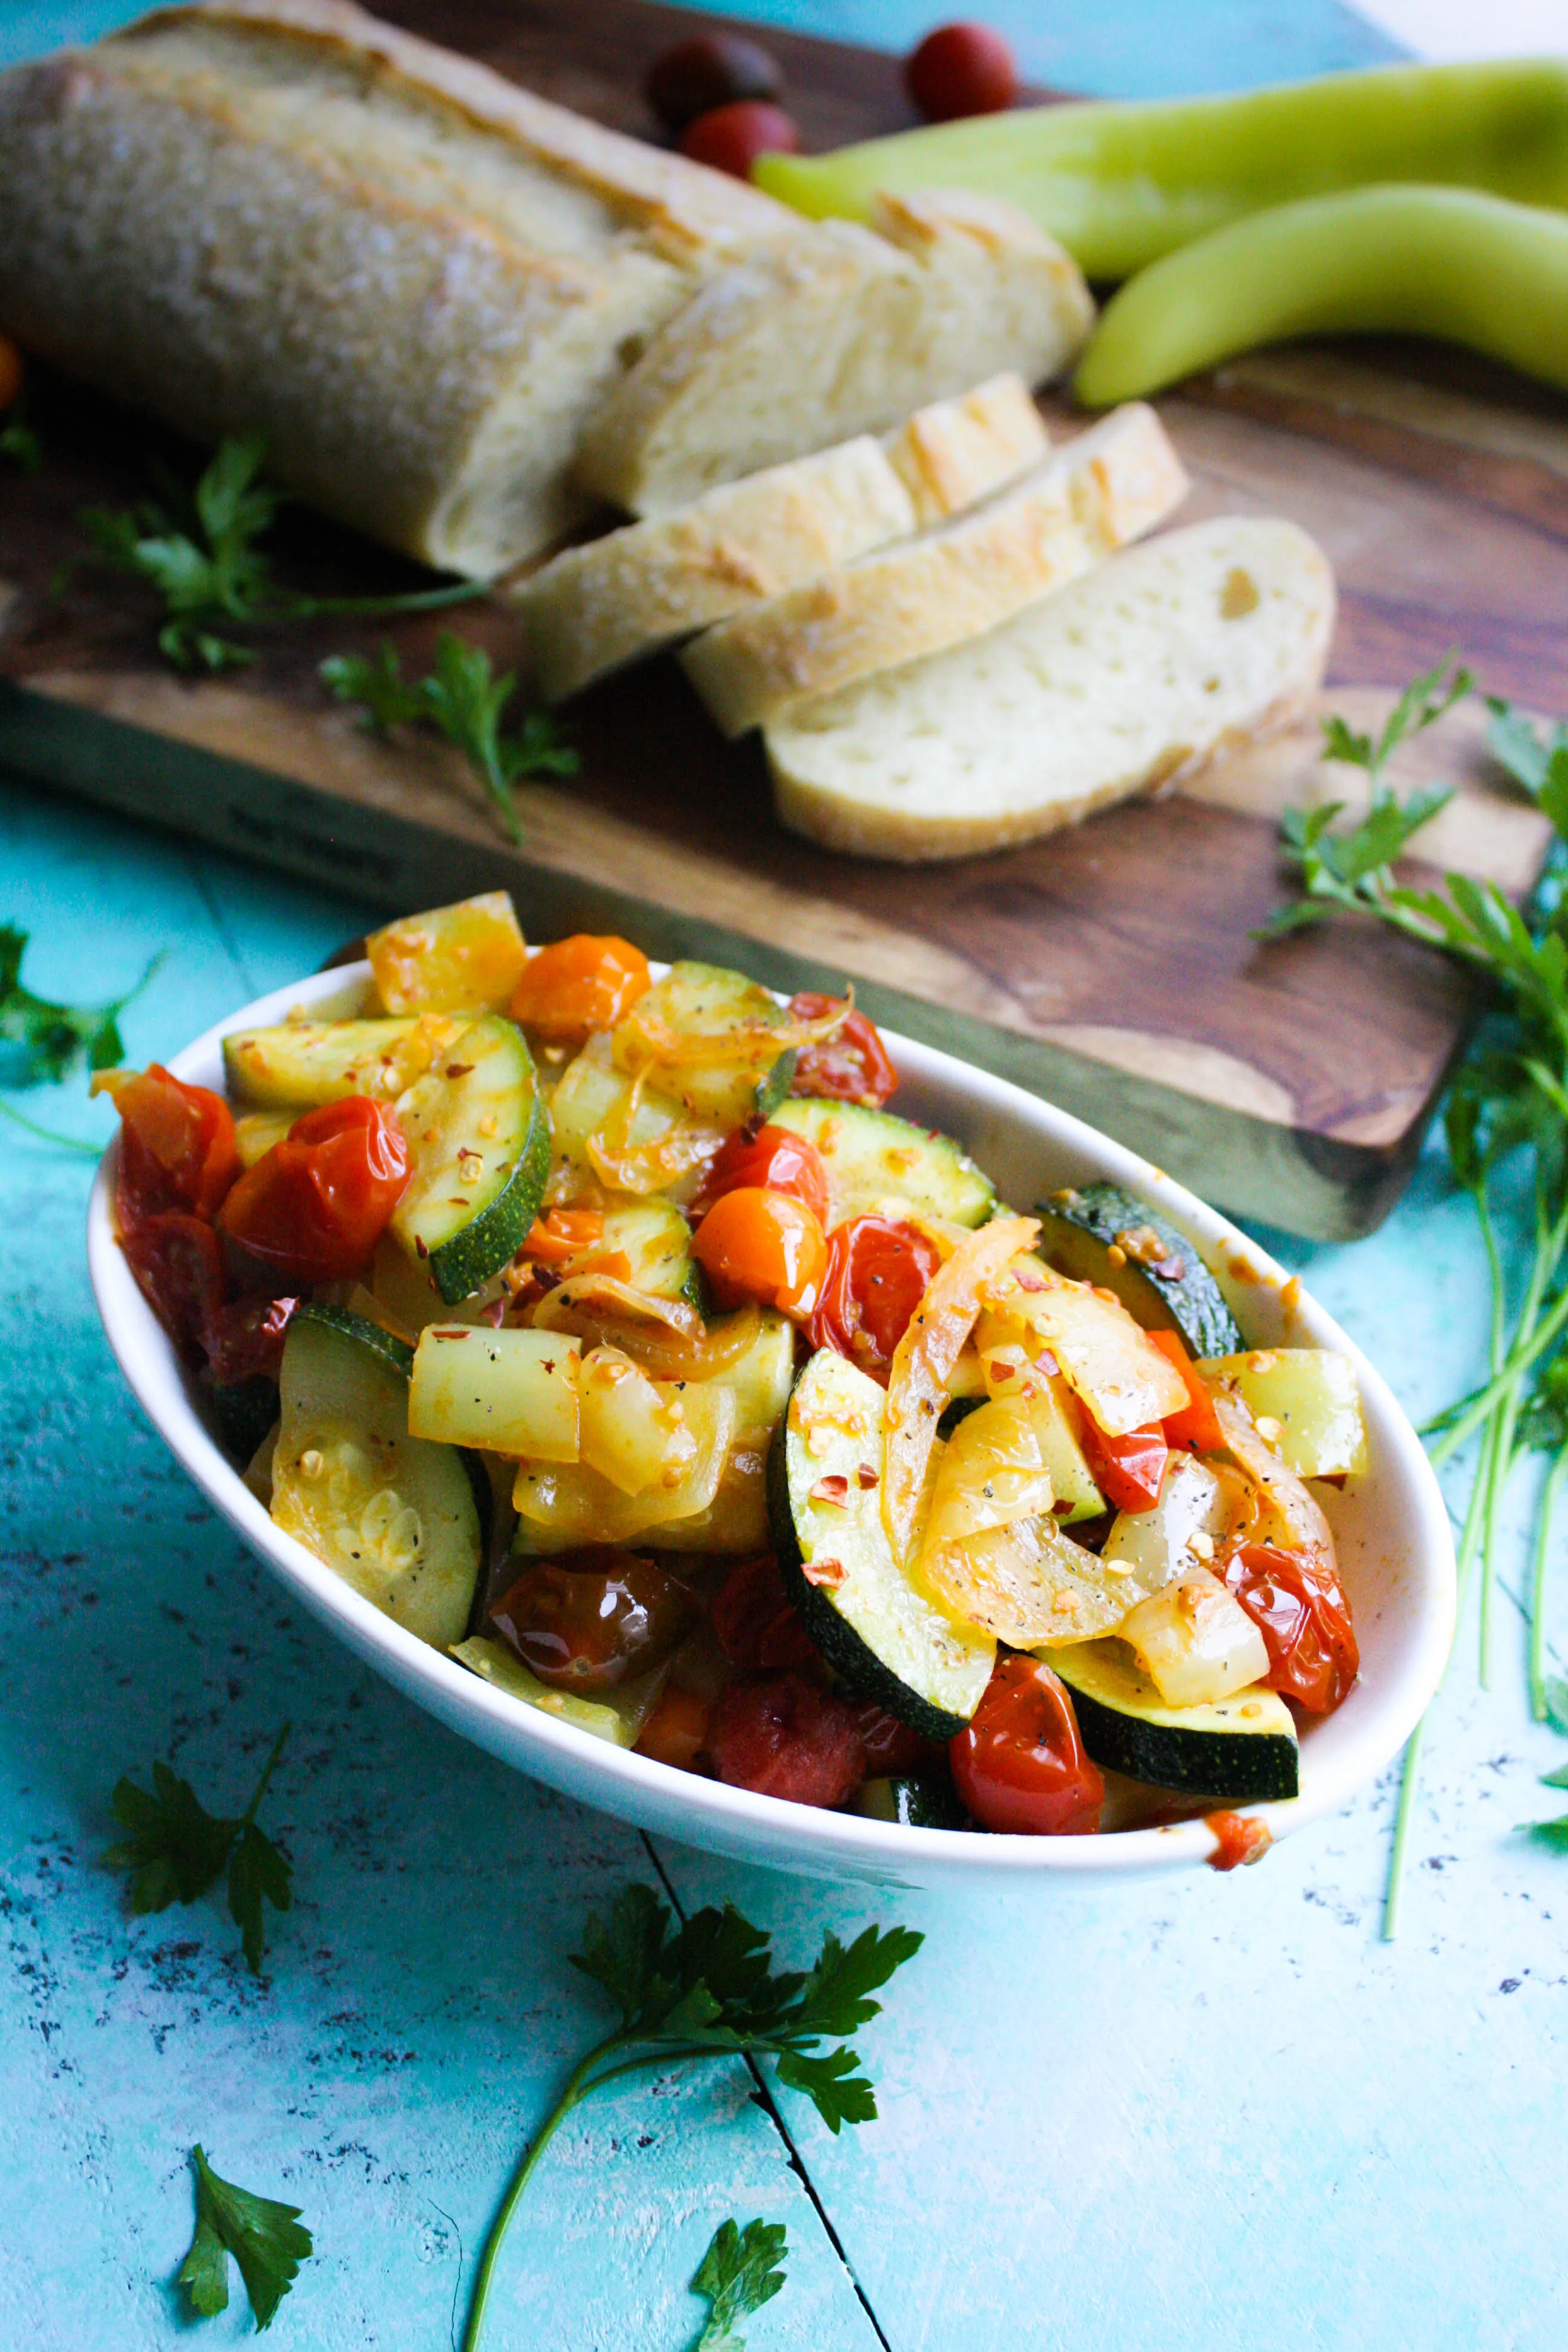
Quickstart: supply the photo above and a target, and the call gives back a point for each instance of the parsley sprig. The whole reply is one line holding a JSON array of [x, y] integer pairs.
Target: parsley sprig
[[19, 442], [54, 1040], [706, 1987], [741, 2270], [176, 1851], [265, 2238], [198, 549], [1509, 1098], [463, 699]]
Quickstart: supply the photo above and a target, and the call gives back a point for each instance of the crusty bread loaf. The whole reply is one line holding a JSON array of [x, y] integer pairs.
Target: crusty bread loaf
[[1120, 683], [414, 277], [1108, 487], [594, 608], [840, 331]]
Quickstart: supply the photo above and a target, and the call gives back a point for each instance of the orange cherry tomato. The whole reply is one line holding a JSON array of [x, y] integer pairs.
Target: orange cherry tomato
[[851, 1065], [961, 69], [562, 1232], [1301, 1610], [774, 1160], [730, 138], [754, 1245], [10, 374], [677, 1731], [314, 1207], [1020, 1765], [579, 985], [877, 1270], [1197, 1424], [177, 1148], [1129, 1470]]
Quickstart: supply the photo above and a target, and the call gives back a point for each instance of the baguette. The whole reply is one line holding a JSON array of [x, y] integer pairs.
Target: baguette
[[1108, 487], [594, 608], [859, 324], [1122, 682], [414, 277]]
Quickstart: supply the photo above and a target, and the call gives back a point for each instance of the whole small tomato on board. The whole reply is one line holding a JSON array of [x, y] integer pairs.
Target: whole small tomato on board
[[961, 69], [730, 138], [712, 69]]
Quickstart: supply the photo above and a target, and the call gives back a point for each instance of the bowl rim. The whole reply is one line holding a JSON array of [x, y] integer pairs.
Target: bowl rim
[[619, 1782]]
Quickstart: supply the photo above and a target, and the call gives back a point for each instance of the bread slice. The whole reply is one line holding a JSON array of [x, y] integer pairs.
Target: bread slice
[[1122, 682], [414, 277], [1111, 485], [594, 608], [840, 331]]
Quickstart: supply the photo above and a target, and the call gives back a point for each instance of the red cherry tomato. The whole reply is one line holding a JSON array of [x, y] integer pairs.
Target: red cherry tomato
[[961, 69], [1197, 1424], [1305, 1620], [1020, 1765], [176, 1145], [877, 1270], [710, 70], [177, 1260], [315, 1206], [579, 984], [761, 1246], [777, 1161], [730, 138], [244, 1339], [755, 1625], [851, 1065], [785, 1738], [1129, 1470]]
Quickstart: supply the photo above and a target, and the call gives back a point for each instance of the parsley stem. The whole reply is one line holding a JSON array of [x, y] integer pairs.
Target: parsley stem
[[254, 1806], [348, 608], [1524, 1353], [48, 1135], [1550, 1493], [1409, 1779]]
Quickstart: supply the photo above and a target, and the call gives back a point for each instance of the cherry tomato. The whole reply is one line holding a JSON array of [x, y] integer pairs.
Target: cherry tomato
[[579, 985], [559, 1233], [851, 1065], [176, 1145], [677, 1731], [761, 1246], [877, 1273], [588, 1620], [713, 70], [961, 69], [1305, 1620], [1020, 1765], [756, 1623], [1197, 1424], [177, 1260], [1129, 1470], [784, 1737], [730, 138], [774, 1161], [314, 1207], [893, 1748], [10, 374]]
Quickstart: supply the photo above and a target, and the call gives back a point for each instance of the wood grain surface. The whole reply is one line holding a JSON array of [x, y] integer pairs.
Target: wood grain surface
[[1111, 966]]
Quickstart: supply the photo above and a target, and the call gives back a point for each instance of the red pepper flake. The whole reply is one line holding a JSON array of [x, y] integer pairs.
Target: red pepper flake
[[461, 1332], [865, 1477], [1026, 1279], [829, 1573], [458, 1069], [1240, 1838], [1045, 1362], [420, 1246], [833, 1488], [495, 1316]]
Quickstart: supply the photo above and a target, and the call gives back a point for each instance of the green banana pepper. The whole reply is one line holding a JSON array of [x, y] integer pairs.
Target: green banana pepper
[[1122, 184], [1427, 261]]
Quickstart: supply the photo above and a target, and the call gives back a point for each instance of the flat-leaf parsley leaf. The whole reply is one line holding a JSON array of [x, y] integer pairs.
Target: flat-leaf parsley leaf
[[741, 2270], [265, 2237], [176, 1851]]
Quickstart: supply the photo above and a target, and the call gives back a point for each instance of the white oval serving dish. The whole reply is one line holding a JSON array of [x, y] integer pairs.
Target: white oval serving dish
[[1392, 1528]]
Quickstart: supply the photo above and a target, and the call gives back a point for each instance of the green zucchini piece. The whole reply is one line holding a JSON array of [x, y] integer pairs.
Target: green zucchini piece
[[1101, 1235], [300, 1064], [397, 1517], [871, 1157], [704, 1000], [656, 1240], [243, 1412], [918, 1802], [618, 1715], [1242, 1749], [888, 1641], [479, 1135]]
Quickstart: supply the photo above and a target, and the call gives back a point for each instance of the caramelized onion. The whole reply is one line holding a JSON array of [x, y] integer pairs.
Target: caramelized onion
[[664, 1335]]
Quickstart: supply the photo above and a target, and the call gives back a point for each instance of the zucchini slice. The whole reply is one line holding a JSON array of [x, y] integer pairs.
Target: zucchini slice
[[479, 1135], [1105, 1236], [1241, 1747], [397, 1517], [706, 1007], [916, 1801], [872, 1158], [888, 1641], [656, 1240], [300, 1064], [618, 1716]]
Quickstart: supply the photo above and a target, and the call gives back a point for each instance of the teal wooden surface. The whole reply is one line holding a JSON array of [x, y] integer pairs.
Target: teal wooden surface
[[1192, 2115]]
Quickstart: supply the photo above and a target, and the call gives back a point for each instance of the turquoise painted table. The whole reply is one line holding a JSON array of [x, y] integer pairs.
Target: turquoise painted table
[[1197, 2114]]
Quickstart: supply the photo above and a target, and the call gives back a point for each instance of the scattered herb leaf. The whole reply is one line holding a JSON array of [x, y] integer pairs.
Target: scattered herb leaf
[[265, 2238], [464, 699], [1548, 1832], [20, 441], [177, 1851], [741, 2270], [56, 1038]]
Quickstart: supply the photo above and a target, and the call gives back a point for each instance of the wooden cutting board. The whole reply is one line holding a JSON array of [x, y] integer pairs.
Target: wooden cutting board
[[1109, 968]]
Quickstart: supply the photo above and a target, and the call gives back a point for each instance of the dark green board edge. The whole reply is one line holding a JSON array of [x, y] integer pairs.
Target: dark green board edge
[[1310, 1185]]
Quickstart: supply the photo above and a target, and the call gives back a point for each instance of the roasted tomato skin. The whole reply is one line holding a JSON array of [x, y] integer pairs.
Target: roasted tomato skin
[[1197, 1424], [177, 1260], [588, 1620], [314, 1207], [1020, 1766], [876, 1273], [762, 1246], [756, 1624], [768, 1159], [1129, 1470], [579, 984], [1302, 1612], [177, 1148], [783, 1736], [894, 1748], [851, 1065]]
